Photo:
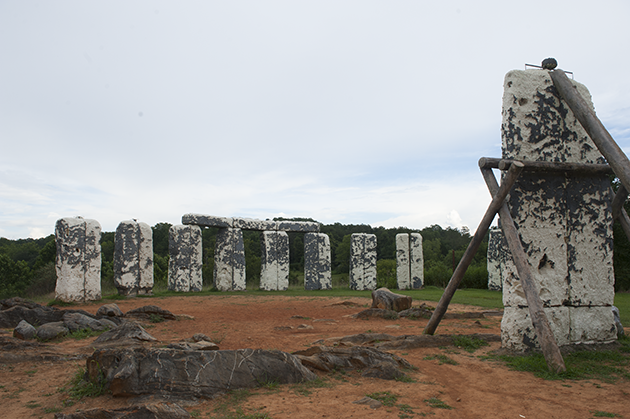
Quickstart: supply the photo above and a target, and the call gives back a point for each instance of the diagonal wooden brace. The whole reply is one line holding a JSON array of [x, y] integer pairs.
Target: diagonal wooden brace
[[473, 246], [619, 212], [547, 341]]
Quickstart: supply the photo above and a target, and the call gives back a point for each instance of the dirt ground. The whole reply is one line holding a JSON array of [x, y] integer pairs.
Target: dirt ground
[[474, 388]]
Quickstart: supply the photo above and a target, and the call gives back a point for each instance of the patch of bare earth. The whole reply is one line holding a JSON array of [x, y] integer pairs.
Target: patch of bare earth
[[474, 388]]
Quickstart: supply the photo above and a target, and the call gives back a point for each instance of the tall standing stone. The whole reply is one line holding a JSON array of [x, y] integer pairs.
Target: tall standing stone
[[229, 260], [78, 259], [498, 254], [362, 261], [317, 266], [409, 261], [274, 271], [133, 258], [565, 221], [185, 258]]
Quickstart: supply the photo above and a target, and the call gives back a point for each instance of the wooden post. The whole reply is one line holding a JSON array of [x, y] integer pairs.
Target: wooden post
[[619, 213], [547, 341], [475, 242], [593, 126]]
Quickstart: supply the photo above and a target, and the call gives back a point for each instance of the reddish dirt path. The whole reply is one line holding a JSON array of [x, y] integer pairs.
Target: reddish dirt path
[[474, 388]]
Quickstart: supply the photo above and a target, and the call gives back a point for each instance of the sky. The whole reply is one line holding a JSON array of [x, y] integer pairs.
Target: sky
[[357, 112]]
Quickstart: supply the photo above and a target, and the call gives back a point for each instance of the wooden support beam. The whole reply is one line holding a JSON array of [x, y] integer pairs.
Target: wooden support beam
[[619, 213], [615, 157], [473, 246], [547, 341], [545, 166]]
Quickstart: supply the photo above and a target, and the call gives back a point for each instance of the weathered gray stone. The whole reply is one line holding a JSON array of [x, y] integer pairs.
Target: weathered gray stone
[[416, 260], [148, 312], [362, 261], [383, 313], [185, 258], [274, 271], [192, 374], [109, 310], [24, 330], [50, 331], [385, 299], [207, 220], [497, 257], [78, 259], [326, 358], [128, 332], [253, 224], [78, 321], [409, 261], [133, 258], [229, 260], [317, 262], [618, 325], [299, 226], [564, 221]]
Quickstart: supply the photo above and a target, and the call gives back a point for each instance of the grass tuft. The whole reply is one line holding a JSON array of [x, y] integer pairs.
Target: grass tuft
[[469, 344], [437, 403]]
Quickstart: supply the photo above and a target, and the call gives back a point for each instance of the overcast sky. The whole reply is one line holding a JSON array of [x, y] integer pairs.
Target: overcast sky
[[358, 112]]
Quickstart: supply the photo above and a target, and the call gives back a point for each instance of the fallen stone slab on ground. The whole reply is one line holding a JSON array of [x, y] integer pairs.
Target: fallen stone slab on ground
[[385, 299], [376, 312], [374, 362], [149, 411], [192, 374], [149, 313]]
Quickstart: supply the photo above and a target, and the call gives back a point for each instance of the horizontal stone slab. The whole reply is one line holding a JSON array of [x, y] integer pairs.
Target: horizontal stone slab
[[250, 223], [207, 220]]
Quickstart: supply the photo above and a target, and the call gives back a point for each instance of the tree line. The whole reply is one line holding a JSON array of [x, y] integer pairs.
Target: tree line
[[27, 266]]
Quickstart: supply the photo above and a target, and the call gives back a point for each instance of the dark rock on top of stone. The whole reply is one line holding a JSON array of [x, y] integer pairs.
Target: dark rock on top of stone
[[385, 299], [149, 411], [549, 63], [24, 330], [109, 310], [192, 374], [128, 332], [146, 313]]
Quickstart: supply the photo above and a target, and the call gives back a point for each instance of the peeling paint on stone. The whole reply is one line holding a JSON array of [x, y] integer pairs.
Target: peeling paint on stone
[[133, 258], [498, 255], [362, 261], [409, 261], [274, 271], [229, 260], [317, 266], [185, 258], [564, 221], [78, 261]]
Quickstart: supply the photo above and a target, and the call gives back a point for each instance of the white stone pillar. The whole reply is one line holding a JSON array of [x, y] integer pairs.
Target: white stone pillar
[[564, 221], [403, 274], [317, 266], [498, 254], [78, 259], [229, 260], [133, 258], [185, 258], [409, 261], [362, 261], [274, 271]]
